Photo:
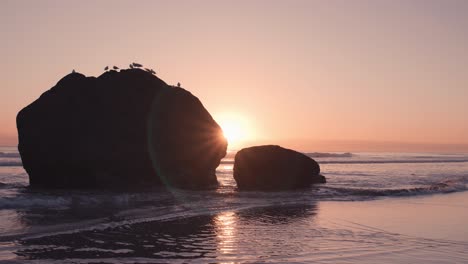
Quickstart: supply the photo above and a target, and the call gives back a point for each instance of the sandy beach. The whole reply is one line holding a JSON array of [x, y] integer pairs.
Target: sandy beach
[[380, 231], [426, 229]]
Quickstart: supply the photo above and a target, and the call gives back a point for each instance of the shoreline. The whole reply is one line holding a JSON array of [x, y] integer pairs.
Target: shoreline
[[387, 230]]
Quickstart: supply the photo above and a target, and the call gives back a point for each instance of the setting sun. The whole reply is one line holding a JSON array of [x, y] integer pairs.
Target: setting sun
[[232, 132], [235, 128]]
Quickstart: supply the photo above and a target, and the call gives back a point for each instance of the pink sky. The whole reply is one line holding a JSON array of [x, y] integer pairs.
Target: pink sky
[[313, 75]]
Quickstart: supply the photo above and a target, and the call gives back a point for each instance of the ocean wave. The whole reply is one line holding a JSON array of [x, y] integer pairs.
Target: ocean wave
[[232, 154], [250, 199], [377, 161], [329, 155], [10, 163], [9, 155], [21, 202], [15, 161], [393, 161], [12, 185], [442, 187]]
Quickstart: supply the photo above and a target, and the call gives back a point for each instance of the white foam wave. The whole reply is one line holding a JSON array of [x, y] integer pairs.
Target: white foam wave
[[442, 187]]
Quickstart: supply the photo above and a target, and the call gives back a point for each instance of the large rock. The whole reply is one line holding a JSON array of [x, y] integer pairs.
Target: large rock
[[274, 168], [126, 129]]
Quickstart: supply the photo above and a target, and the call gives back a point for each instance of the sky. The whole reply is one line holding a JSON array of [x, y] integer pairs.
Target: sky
[[311, 75]]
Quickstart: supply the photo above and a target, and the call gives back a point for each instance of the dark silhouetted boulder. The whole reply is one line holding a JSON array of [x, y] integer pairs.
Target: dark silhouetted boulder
[[123, 130], [274, 168]]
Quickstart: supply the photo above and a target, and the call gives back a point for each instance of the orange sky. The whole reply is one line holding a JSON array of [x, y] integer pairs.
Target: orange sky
[[313, 75]]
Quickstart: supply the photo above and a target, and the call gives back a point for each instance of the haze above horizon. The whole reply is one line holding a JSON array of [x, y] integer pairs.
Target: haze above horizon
[[310, 75]]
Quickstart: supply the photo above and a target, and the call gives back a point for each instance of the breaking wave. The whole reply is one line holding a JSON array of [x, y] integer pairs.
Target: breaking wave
[[442, 187], [58, 200]]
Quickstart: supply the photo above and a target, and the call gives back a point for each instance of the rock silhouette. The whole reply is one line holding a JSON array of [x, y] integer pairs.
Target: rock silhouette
[[122, 130], [273, 168]]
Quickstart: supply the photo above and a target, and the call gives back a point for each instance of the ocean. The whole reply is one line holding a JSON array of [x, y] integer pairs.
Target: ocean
[[375, 207]]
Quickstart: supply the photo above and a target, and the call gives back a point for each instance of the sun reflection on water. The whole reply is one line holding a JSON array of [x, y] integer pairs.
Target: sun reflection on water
[[227, 167], [226, 232]]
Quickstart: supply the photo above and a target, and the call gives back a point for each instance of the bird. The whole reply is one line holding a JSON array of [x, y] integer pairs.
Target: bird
[[115, 68], [131, 66], [178, 84], [73, 71], [137, 65], [106, 68]]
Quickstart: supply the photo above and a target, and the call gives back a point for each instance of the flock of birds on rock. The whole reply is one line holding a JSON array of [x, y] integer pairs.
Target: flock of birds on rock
[[133, 65]]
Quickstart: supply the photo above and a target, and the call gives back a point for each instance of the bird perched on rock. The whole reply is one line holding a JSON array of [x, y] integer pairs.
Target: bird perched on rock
[[150, 71], [106, 68], [137, 65], [115, 68], [73, 71], [131, 66], [178, 84]]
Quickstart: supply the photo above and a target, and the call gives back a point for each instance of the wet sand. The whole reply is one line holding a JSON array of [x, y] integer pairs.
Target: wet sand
[[420, 229], [424, 229]]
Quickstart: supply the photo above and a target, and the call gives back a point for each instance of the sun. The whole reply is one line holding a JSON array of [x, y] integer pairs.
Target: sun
[[234, 127], [232, 132]]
